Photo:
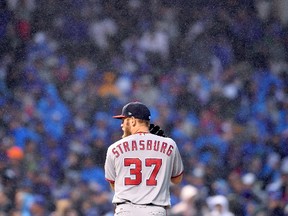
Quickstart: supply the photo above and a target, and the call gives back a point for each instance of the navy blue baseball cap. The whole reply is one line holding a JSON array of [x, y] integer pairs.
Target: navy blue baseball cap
[[135, 109]]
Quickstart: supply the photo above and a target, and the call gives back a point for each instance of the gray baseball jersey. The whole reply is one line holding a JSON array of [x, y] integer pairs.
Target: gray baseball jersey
[[141, 167]]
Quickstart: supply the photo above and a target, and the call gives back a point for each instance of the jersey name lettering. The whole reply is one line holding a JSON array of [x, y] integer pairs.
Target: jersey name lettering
[[142, 145]]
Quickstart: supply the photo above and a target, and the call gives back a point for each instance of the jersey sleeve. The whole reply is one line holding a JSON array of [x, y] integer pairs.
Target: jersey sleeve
[[178, 167], [109, 167]]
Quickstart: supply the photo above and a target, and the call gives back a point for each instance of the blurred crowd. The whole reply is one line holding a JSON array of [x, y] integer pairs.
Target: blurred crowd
[[214, 74]]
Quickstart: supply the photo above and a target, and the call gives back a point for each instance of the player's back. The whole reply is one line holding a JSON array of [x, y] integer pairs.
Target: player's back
[[143, 166]]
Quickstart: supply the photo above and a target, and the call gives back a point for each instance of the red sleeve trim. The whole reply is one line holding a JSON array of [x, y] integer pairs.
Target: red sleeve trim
[[111, 181], [177, 175]]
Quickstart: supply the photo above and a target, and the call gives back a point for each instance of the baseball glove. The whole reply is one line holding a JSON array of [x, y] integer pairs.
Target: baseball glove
[[155, 129]]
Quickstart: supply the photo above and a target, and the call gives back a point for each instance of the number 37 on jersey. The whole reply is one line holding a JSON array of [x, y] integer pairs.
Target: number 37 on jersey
[[135, 166]]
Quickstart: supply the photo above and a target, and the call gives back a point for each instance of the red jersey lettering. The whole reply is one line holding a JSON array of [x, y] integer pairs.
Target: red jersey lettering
[[149, 145], [119, 146], [126, 146], [115, 152], [134, 146], [156, 145], [170, 150], [142, 145], [163, 147]]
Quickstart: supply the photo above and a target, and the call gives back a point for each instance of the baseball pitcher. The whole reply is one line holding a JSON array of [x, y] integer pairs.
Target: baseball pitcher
[[141, 166]]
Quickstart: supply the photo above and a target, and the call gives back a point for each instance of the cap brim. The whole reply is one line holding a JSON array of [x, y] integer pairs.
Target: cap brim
[[119, 116]]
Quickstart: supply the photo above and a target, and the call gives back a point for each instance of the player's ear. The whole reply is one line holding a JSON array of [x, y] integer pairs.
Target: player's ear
[[133, 121]]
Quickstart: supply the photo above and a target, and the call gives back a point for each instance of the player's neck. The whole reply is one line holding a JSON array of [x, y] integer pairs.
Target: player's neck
[[141, 129]]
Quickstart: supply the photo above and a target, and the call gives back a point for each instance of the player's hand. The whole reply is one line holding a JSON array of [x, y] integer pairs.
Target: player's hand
[[155, 129]]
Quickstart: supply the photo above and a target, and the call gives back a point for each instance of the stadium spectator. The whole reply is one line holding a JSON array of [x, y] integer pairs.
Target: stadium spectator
[[217, 84]]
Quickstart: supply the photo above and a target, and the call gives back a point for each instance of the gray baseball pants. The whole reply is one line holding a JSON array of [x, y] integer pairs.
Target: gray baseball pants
[[130, 209]]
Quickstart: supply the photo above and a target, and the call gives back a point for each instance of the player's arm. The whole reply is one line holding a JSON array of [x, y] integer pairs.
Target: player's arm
[[178, 169], [177, 179], [109, 170]]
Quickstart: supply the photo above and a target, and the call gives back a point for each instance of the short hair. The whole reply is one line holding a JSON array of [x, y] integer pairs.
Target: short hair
[[146, 122]]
